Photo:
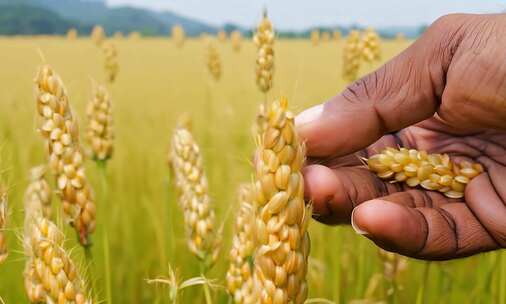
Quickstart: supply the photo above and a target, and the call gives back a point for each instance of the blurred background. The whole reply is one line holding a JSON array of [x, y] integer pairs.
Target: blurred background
[[159, 59], [292, 18]]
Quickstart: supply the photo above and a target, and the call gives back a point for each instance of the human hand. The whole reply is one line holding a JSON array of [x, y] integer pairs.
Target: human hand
[[445, 94]]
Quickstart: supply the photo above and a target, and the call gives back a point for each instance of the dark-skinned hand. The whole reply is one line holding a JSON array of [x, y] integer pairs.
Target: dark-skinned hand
[[446, 93]]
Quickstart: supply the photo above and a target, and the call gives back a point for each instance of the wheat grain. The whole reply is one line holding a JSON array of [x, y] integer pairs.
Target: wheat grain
[[236, 40], [315, 37], [111, 64], [430, 171], [50, 275], [100, 134], [264, 41], [3, 223], [191, 182], [371, 46], [351, 56], [213, 61], [98, 35], [59, 127], [38, 191], [240, 274], [281, 216], [72, 34], [178, 35]]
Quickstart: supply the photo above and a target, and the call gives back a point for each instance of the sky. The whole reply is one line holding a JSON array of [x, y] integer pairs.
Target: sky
[[301, 14]]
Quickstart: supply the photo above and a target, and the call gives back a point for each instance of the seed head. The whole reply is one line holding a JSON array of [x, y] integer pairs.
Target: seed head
[[98, 35], [281, 216], [325, 37], [240, 273], [222, 36], [393, 264], [213, 61], [236, 40], [434, 172], [100, 134], [50, 275], [264, 40], [72, 34], [111, 64], [39, 192], [178, 35], [371, 46], [315, 37], [351, 56], [59, 127], [191, 183], [336, 35]]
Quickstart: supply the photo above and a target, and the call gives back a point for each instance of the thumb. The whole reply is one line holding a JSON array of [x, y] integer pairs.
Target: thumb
[[404, 91]]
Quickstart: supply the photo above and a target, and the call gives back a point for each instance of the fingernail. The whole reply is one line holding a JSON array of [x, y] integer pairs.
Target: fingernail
[[309, 115], [355, 227]]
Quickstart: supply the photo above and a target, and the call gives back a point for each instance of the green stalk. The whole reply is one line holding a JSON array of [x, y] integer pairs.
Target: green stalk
[[420, 298], [502, 278], [107, 262]]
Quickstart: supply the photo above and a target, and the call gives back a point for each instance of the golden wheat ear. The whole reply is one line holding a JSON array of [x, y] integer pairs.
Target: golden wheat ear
[[264, 40], [100, 130], [59, 128], [434, 172], [192, 185], [281, 215]]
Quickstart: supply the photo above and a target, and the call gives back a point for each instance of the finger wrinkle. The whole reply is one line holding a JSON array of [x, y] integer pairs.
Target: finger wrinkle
[[425, 231], [448, 217]]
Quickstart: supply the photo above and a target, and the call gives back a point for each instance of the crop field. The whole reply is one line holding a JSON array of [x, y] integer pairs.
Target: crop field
[[140, 232]]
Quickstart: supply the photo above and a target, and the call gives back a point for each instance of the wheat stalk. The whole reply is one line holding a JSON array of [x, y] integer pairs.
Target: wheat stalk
[[3, 223], [371, 46], [59, 127], [178, 35], [100, 133], [264, 40], [98, 35], [351, 56], [111, 64], [213, 61], [240, 273], [281, 220], [430, 171], [191, 182]]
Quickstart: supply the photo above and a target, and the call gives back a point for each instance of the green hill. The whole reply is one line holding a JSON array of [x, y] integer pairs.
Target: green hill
[[29, 20]]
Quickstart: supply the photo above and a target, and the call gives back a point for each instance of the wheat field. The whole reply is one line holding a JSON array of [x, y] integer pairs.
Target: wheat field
[[139, 222]]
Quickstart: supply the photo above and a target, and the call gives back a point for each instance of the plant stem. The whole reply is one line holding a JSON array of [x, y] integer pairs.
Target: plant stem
[[107, 268], [420, 298]]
